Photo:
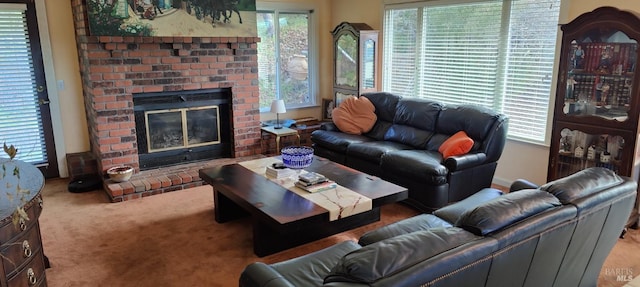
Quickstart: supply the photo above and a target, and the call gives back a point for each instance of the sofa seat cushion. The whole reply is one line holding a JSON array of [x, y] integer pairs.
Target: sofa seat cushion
[[418, 165], [337, 141], [373, 151], [391, 256]]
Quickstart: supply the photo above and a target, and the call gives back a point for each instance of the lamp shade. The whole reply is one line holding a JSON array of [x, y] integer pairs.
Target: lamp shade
[[277, 106]]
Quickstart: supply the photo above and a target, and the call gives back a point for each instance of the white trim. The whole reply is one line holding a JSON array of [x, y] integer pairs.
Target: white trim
[[284, 7], [13, 6], [52, 88]]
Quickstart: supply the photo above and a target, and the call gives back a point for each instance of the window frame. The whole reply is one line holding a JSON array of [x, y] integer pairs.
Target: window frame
[[405, 4], [313, 50]]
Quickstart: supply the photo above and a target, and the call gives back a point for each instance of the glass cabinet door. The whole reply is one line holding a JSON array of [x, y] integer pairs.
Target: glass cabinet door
[[579, 150], [599, 78], [368, 64], [346, 61]]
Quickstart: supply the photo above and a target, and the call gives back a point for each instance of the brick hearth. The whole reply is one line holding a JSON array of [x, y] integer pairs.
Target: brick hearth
[[113, 68], [165, 179]]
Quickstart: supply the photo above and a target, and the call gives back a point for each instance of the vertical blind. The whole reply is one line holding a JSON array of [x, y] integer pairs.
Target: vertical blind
[[498, 54], [20, 120]]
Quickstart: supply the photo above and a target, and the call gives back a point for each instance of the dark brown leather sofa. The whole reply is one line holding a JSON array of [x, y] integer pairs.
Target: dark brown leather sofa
[[558, 234], [403, 147]]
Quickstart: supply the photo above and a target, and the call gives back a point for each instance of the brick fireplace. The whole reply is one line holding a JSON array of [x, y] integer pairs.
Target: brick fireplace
[[114, 68]]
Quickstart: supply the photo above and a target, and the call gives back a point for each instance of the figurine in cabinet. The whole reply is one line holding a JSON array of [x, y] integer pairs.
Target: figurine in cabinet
[[578, 57], [579, 152], [591, 152], [571, 84]]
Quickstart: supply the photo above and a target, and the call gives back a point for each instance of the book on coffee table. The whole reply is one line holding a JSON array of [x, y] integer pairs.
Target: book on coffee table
[[326, 185], [279, 172], [312, 178]]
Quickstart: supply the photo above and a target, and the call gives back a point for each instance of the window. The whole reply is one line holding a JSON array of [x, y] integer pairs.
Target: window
[[284, 53], [21, 122], [498, 54]]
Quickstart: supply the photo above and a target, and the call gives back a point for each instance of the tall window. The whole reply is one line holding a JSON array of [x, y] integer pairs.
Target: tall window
[[284, 53], [21, 121], [494, 53]]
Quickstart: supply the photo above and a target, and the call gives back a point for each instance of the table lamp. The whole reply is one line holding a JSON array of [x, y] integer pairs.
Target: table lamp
[[277, 106]]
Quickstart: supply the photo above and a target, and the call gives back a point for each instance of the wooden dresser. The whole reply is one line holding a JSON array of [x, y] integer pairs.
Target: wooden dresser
[[21, 253]]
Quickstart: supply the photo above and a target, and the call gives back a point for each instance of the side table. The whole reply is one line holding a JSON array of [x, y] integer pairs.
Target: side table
[[282, 132], [22, 259]]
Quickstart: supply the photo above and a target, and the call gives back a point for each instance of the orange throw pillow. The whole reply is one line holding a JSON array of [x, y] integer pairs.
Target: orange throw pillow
[[354, 115], [457, 144]]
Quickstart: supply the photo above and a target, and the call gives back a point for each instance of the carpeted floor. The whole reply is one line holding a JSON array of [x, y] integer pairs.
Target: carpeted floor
[[173, 240]]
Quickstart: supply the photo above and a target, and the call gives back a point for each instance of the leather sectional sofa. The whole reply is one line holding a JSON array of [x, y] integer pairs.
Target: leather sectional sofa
[[558, 234], [403, 147]]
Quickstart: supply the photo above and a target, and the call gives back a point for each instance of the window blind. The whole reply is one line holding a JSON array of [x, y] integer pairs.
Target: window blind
[[529, 66], [20, 120], [498, 54]]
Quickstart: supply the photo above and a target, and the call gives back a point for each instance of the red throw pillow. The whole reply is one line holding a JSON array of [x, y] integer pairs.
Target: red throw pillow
[[354, 115], [457, 144]]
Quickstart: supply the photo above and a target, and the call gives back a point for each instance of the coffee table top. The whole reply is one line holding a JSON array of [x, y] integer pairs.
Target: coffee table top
[[272, 202]]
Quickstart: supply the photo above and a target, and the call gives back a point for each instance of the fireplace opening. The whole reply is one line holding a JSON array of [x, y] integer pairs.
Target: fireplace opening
[[183, 126]]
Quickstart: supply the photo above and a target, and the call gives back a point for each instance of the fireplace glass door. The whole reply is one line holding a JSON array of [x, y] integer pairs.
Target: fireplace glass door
[[182, 128]]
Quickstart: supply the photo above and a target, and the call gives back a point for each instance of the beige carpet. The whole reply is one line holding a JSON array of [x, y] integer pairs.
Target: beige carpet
[[173, 240]]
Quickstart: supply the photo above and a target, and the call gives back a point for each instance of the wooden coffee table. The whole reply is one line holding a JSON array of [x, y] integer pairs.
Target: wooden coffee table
[[283, 219]]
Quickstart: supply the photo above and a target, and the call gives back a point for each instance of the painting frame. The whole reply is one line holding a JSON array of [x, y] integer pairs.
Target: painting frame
[[327, 109]]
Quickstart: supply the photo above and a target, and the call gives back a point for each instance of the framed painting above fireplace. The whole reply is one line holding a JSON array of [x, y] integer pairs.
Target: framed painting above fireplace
[[172, 18]]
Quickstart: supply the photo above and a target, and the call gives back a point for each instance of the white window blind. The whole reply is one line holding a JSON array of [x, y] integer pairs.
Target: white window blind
[[498, 54], [20, 120]]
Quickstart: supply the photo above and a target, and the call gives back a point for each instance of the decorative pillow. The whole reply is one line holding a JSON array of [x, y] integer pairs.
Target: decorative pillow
[[457, 144], [354, 115]]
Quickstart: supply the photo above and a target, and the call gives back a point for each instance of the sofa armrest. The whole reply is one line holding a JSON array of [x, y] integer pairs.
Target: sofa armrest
[[452, 212], [258, 274], [520, 184], [329, 126], [465, 161]]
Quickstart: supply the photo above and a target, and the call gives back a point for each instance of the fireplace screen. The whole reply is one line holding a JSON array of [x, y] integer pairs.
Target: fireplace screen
[[182, 128]]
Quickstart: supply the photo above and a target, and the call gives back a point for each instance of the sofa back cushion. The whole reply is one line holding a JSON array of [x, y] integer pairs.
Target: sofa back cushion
[[414, 122], [385, 104], [582, 184], [475, 120], [510, 208], [385, 109], [393, 255]]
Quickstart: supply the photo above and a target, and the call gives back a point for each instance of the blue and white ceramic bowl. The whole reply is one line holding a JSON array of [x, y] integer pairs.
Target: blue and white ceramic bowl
[[297, 157]]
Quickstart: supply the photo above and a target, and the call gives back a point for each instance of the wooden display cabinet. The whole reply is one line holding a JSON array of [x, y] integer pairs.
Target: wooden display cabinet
[[355, 60], [595, 119]]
